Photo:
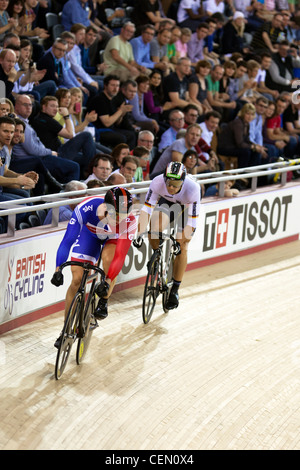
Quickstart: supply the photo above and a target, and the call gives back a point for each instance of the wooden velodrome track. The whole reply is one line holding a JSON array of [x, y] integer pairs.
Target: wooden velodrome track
[[221, 372]]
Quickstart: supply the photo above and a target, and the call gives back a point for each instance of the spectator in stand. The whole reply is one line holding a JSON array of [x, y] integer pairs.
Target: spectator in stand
[[234, 139], [198, 86], [182, 43], [276, 132], [141, 47], [78, 11], [35, 164], [148, 11], [172, 53], [79, 148], [213, 92], [118, 153], [63, 170], [8, 73], [275, 147], [100, 167], [7, 23], [291, 119], [65, 212], [265, 63], [233, 34], [141, 120], [197, 43], [51, 62], [209, 53], [256, 128], [176, 122], [143, 156], [176, 84], [128, 168], [154, 99], [190, 13], [118, 55], [110, 114], [28, 81], [209, 128], [280, 74], [146, 139], [75, 58], [265, 38], [159, 51], [176, 150]]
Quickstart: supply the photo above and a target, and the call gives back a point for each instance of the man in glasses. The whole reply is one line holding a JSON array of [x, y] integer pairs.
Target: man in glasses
[[176, 121], [51, 61], [172, 196]]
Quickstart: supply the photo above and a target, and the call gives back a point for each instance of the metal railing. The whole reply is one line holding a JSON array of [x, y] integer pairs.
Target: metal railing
[[54, 201]]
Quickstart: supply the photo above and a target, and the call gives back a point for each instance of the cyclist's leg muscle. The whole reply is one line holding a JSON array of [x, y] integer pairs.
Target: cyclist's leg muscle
[[159, 221]]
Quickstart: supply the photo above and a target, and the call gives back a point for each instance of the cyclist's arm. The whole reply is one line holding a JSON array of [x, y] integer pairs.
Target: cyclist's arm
[[70, 237], [122, 247]]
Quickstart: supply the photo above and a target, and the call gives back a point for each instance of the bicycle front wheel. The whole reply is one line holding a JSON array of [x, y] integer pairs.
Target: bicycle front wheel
[[151, 290], [90, 323], [69, 335]]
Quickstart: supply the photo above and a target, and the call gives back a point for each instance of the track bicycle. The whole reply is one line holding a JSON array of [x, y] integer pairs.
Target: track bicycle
[[80, 322], [159, 274]]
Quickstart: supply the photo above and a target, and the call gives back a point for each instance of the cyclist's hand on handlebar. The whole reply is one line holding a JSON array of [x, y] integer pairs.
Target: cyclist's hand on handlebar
[[102, 288], [57, 279], [138, 242], [176, 248]]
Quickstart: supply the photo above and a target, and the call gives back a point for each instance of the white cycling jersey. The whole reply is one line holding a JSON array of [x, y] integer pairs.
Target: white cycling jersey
[[189, 196]]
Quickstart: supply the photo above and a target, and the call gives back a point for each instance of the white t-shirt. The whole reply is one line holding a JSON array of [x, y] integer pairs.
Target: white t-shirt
[[184, 5], [212, 7]]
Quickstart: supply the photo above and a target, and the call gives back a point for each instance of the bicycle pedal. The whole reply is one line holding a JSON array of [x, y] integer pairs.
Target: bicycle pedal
[[94, 324]]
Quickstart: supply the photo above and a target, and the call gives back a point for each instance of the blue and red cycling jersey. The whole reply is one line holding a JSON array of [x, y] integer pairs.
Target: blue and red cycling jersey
[[86, 234]]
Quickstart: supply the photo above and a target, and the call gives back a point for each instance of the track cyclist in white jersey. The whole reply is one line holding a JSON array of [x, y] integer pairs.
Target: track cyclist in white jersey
[[172, 195]]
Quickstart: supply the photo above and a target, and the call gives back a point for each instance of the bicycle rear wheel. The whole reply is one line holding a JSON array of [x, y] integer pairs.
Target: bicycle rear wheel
[[69, 335], [151, 290], [167, 280], [90, 323]]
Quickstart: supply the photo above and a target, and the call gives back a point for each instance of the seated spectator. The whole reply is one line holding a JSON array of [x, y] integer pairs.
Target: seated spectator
[[28, 81], [280, 74], [100, 167], [274, 147], [190, 159], [229, 191], [234, 139], [189, 13], [176, 150], [143, 156], [115, 179], [176, 122], [118, 153], [182, 42], [229, 73], [265, 38], [213, 92], [148, 11], [209, 128], [65, 212], [265, 63], [172, 52], [159, 51], [12, 185], [140, 119], [154, 98], [215, 6], [249, 79], [291, 119], [146, 139], [197, 43], [176, 84], [198, 86], [16, 10], [35, 164], [141, 47], [256, 129], [233, 34], [8, 73], [128, 168], [76, 11], [209, 53], [95, 184], [79, 148], [275, 132], [118, 55], [51, 62], [110, 114], [63, 170]]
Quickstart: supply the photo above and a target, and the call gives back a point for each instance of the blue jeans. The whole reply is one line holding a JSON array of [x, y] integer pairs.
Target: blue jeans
[[80, 149], [62, 169]]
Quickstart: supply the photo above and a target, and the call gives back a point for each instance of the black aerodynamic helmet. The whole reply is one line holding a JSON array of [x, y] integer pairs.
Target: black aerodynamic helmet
[[175, 171], [120, 199]]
